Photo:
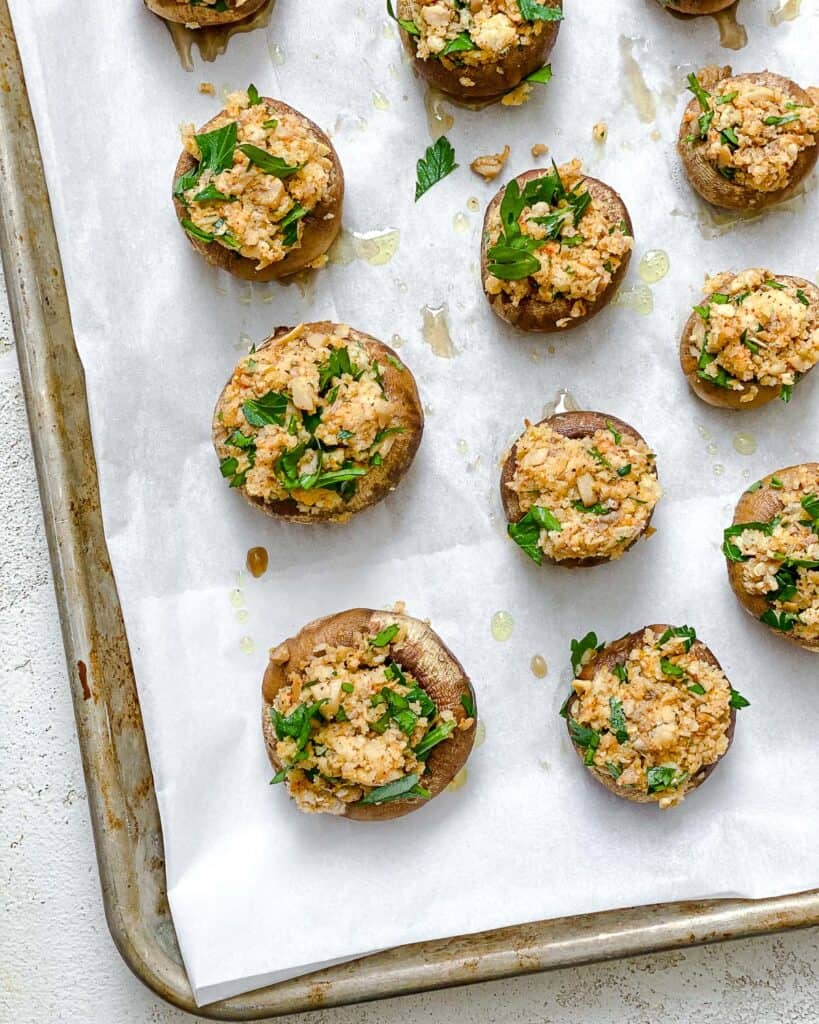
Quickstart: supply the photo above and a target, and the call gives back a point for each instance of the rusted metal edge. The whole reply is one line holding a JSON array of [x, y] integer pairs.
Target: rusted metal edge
[[121, 798]]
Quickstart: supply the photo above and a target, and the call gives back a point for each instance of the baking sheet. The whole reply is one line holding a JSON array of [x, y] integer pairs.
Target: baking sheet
[[258, 891]]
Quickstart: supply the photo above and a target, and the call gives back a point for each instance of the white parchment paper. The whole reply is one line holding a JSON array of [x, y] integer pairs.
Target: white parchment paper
[[259, 891]]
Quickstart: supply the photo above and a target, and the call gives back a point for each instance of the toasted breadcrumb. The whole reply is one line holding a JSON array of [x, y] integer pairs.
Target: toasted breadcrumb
[[490, 165], [208, 88], [539, 149], [665, 723]]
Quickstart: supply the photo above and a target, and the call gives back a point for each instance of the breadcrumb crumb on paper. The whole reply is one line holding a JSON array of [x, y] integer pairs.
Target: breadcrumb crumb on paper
[[208, 88], [490, 165]]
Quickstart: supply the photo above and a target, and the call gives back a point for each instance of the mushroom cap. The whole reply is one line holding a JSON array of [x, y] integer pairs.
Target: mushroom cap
[[422, 653]]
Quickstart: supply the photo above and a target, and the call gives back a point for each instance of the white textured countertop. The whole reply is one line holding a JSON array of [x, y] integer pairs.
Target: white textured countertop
[[57, 961]]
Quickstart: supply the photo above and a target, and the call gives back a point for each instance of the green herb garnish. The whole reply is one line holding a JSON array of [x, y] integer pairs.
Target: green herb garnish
[[405, 787], [385, 637], [687, 633], [526, 531], [267, 162], [664, 776], [270, 408], [408, 26], [437, 162], [617, 720], [579, 648]]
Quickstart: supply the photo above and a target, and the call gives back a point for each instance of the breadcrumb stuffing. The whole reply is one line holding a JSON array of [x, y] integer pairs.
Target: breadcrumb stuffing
[[757, 329], [781, 562], [326, 421], [253, 220], [755, 132], [600, 132], [601, 489], [580, 264], [493, 28], [208, 88], [668, 730], [539, 149], [358, 740]]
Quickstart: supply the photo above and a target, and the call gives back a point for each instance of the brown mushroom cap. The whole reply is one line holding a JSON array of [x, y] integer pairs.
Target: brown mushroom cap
[[616, 653], [533, 313], [722, 397], [380, 480], [321, 225], [719, 191], [573, 425], [200, 15], [760, 506], [422, 653], [696, 6], [491, 80]]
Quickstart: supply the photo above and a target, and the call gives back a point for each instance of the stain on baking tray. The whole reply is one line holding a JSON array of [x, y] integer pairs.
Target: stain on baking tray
[[82, 671], [212, 40]]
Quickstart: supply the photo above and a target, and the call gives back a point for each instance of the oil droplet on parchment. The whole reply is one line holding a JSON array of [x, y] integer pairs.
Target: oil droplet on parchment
[[654, 266], [480, 735], [719, 469], [637, 298], [438, 120], [242, 615], [246, 645], [460, 222], [374, 247], [396, 341], [538, 666], [564, 401], [380, 101], [257, 562], [458, 781], [462, 447], [744, 443], [435, 331], [788, 10], [702, 430], [711, 448], [276, 55], [237, 598], [637, 91], [503, 626]]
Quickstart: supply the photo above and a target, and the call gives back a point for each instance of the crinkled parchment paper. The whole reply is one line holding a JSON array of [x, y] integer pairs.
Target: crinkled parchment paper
[[259, 891]]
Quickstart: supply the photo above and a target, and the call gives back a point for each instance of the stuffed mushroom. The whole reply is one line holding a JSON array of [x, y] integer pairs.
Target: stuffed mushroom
[[748, 141], [481, 49], [318, 422], [650, 714], [259, 189], [366, 714], [204, 12], [751, 338], [578, 489], [555, 246], [772, 553]]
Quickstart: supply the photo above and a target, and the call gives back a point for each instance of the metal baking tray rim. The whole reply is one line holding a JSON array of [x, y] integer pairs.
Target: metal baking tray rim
[[121, 798]]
